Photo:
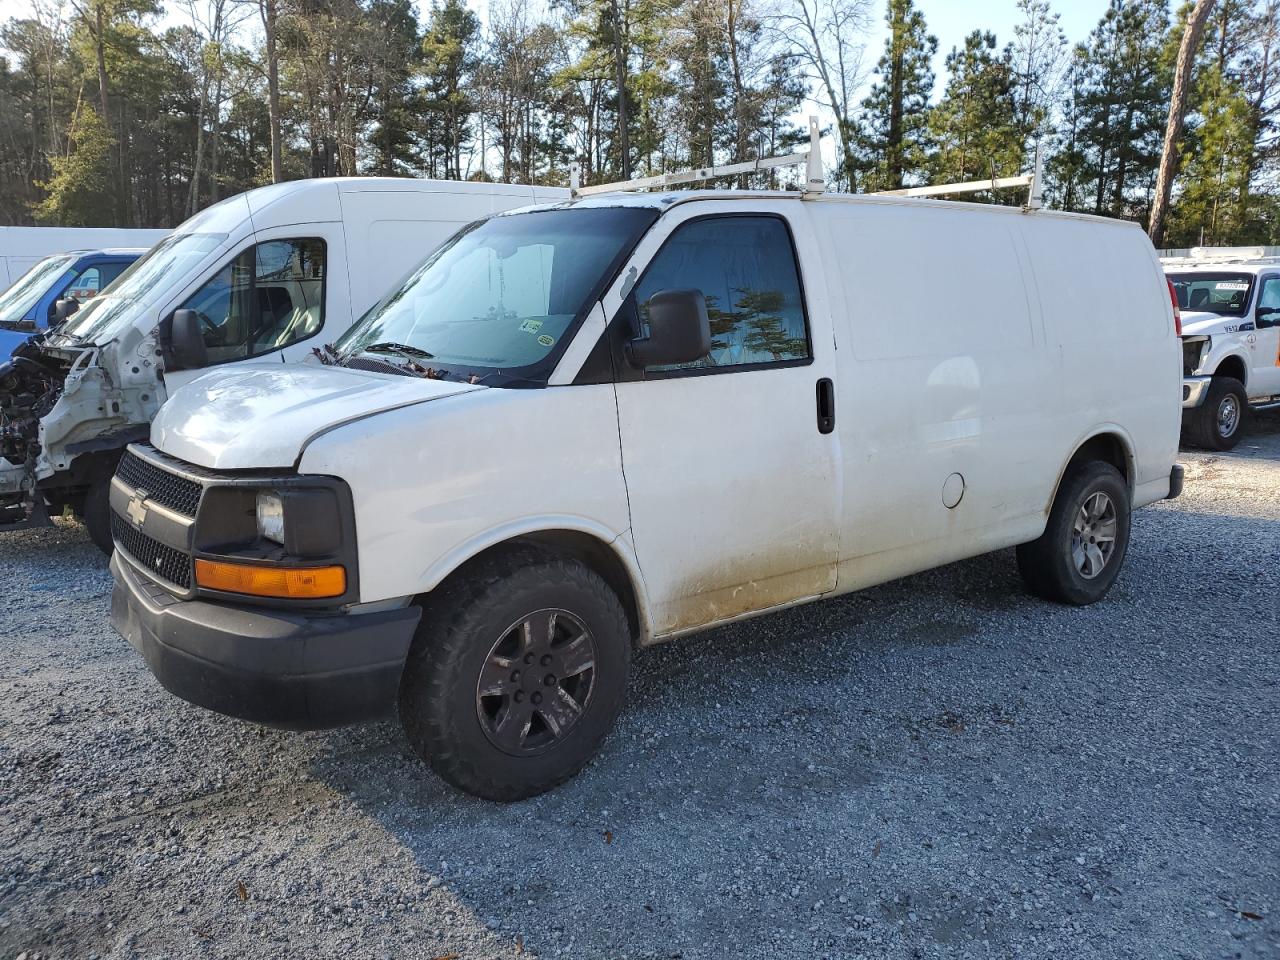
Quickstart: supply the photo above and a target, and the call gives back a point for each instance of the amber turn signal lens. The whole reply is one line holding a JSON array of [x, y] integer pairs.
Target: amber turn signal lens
[[297, 583]]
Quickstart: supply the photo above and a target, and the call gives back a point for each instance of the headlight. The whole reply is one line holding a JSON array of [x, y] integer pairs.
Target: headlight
[[271, 517]]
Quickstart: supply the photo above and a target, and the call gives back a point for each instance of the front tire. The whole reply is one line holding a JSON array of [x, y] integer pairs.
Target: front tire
[[1079, 555], [1218, 423], [97, 513], [517, 674]]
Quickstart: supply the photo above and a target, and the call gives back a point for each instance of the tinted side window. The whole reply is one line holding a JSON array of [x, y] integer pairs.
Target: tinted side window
[[269, 296], [746, 268]]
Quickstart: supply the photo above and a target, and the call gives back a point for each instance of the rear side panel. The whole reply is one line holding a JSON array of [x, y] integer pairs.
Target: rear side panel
[[941, 393], [1109, 321]]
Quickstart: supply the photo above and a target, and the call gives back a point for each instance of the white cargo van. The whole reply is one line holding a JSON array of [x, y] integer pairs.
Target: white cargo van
[[22, 247], [266, 276], [586, 427]]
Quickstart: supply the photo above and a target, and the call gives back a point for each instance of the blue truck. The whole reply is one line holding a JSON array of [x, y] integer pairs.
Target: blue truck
[[29, 305]]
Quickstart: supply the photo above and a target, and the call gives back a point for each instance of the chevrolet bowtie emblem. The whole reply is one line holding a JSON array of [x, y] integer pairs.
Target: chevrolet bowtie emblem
[[137, 508]]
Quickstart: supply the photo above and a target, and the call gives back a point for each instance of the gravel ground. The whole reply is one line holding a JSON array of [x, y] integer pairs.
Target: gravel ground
[[940, 767]]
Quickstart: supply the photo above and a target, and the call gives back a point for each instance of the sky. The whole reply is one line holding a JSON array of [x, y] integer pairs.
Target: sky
[[948, 20], [952, 20]]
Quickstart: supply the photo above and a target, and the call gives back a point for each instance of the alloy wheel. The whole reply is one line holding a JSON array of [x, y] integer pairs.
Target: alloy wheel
[[536, 682], [1093, 536]]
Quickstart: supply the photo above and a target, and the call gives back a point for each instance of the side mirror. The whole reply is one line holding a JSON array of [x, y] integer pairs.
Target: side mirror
[[182, 341], [62, 309], [1267, 316], [679, 330]]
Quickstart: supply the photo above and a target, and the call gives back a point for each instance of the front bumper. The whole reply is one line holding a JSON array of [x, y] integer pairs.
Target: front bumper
[[1194, 390], [278, 668]]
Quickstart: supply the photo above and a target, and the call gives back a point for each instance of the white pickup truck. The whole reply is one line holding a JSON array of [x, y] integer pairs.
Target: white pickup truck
[[1230, 304], [590, 426]]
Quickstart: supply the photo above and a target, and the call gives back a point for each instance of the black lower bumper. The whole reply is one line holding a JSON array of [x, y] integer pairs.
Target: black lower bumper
[[273, 667], [1176, 476]]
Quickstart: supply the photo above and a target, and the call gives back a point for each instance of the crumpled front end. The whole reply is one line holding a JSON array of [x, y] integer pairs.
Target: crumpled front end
[[31, 382]]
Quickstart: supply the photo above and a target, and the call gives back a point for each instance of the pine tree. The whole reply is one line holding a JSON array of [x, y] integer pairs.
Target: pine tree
[[1123, 103], [974, 128], [892, 137], [449, 61]]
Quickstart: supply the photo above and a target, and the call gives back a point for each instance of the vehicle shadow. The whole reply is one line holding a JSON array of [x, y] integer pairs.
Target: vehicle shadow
[[872, 774]]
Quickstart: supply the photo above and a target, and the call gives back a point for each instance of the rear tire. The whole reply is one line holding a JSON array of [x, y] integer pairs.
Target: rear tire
[[1079, 555], [1218, 423], [495, 695], [97, 513]]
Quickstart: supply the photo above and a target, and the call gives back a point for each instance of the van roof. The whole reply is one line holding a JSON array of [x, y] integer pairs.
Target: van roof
[[663, 200], [393, 185]]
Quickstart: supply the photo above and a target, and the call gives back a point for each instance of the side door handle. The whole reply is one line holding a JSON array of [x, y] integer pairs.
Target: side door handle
[[826, 405]]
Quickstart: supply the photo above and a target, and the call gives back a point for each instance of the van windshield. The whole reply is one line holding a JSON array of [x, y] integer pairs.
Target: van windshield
[[502, 297], [104, 317], [1224, 293], [26, 291]]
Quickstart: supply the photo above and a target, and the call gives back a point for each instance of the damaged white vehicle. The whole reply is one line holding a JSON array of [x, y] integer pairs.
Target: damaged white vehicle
[[1230, 304], [265, 276]]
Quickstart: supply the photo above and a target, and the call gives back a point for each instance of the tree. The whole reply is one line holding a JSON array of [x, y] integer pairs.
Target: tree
[[893, 128], [1039, 58], [82, 180], [1121, 102], [974, 128], [449, 61], [1191, 34], [826, 37]]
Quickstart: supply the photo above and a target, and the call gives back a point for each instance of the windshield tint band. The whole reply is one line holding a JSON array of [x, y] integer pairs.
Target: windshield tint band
[[501, 301]]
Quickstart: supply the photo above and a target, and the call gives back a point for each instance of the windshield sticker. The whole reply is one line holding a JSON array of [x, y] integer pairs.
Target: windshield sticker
[[546, 341], [1231, 285], [531, 325]]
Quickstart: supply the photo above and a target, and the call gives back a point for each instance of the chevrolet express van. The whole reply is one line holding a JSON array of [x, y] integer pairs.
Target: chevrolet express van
[[30, 304], [267, 276], [586, 427]]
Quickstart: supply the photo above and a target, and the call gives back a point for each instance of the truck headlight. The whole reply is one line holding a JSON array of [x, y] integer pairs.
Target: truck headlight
[[271, 516]]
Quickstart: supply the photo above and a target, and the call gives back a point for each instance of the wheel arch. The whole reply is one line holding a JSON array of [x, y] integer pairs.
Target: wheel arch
[[1233, 365], [1109, 443], [603, 551]]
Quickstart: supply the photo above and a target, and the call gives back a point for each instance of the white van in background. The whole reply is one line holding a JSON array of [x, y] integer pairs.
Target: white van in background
[[268, 275], [22, 247], [596, 425]]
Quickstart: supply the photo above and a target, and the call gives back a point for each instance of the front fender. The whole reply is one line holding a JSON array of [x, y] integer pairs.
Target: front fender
[[619, 544]]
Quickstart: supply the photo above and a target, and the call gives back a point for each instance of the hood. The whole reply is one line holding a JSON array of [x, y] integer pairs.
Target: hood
[[1197, 323], [264, 415]]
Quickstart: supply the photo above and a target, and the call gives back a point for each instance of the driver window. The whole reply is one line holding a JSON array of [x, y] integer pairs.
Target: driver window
[[1269, 302], [270, 296], [746, 268]]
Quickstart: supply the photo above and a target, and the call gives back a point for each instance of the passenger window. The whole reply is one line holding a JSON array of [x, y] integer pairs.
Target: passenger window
[[746, 268], [270, 296]]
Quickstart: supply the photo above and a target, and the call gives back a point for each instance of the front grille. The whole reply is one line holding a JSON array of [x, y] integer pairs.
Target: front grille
[[152, 555], [165, 488]]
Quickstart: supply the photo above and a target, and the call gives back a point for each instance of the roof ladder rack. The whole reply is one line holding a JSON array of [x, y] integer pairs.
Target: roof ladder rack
[[1033, 180], [811, 158]]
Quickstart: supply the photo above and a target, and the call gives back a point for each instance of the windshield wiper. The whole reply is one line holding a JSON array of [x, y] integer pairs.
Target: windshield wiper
[[403, 348]]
